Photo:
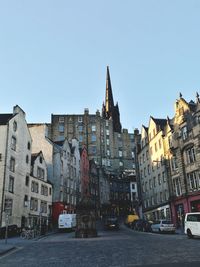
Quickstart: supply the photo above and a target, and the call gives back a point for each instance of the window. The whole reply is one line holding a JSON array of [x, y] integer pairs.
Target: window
[[11, 184], [132, 154], [34, 187], [148, 168], [177, 186], [93, 128], [174, 164], [147, 154], [161, 197], [61, 128], [27, 159], [12, 165], [164, 177], [43, 207], [107, 142], [29, 145], [159, 179], [80, 119], [184, 133], [120, 153], [80, 128], [94, 138], [50, 191], [8, 206], [154, 181], [146, 186], [194, 181], [13, 143], [107, 132], [190, 155], [121, 164], [108, 152], [40, 173], [145, 172], [133, 186], [150, 183], [27, 181], [61, 119], [41, 160], [14, 126], [93, 150], [25, 201], [34, 204], [80, 138]]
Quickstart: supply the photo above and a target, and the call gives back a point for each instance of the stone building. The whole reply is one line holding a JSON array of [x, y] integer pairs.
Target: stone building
[[110, 146], [154, 170], [185, 158], [63, 167], [38, 195], [15, 165]]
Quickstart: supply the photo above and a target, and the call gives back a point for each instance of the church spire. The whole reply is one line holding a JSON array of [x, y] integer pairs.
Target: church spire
[[109, 103], [109, 110]]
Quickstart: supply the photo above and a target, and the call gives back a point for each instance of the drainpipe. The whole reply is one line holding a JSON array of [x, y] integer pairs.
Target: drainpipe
[[4, 177]]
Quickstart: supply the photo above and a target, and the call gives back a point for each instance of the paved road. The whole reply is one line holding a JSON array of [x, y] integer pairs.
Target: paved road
[[123, 248]]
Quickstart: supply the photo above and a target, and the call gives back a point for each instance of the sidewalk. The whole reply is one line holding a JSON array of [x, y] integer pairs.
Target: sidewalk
[[5, 248], [14, 242]]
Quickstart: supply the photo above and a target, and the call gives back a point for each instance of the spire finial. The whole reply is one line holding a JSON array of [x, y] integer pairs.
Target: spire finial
[[197, 95], [180, 95]]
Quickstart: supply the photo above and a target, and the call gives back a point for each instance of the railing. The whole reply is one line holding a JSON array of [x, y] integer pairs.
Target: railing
[[29, 233]]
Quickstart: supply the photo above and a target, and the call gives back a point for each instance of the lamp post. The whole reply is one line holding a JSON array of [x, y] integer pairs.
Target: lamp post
[[6, 233]]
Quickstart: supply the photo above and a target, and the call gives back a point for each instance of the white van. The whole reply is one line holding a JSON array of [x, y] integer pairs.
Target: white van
[[66, 221], [192, 224]]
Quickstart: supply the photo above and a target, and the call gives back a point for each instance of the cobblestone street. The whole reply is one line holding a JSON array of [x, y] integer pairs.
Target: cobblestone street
[[111, 249]]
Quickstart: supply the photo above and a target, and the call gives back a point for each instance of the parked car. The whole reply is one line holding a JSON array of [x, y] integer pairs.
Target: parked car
[[192, 224], [162, 226], [13, 230], [111, 223], [141, 225]]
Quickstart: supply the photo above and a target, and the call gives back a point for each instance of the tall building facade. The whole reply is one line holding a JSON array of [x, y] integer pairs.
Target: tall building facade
[[63, 167], [185, 159], [25, 192], [154, 171]]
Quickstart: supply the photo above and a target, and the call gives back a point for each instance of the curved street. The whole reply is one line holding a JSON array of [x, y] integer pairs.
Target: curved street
[[121, 248]]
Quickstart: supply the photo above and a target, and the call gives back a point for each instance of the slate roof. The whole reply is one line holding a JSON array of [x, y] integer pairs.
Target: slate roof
[[4, 118], [160, 122]]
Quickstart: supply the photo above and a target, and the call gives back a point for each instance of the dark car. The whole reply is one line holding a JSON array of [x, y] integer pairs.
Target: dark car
[[13, 230], [111, 223], [141, 225]]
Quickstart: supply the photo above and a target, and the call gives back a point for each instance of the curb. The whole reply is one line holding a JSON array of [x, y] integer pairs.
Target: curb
[[2, 253]]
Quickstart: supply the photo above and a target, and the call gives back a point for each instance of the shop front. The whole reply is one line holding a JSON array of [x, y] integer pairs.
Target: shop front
[[161, 212]]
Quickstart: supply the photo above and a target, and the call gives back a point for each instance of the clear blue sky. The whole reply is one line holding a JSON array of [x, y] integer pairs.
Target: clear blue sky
[[54, 53]]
